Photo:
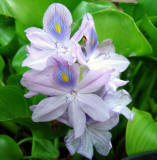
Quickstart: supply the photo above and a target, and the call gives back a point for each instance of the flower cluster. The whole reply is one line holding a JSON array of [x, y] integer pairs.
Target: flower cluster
[[79, 81]]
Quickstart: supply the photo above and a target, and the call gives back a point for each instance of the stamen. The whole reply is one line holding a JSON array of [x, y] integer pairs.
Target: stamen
[[58, 29], [65, 78], [93, 40]]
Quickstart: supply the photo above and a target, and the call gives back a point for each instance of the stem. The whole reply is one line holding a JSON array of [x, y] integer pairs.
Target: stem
[[25, 140], [136, 69], [139, 85], [10, 126], [56, 142], [29, 157], [148, 92]]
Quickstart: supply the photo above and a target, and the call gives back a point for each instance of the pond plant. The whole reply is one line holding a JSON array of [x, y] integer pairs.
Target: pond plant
[[77, 79]]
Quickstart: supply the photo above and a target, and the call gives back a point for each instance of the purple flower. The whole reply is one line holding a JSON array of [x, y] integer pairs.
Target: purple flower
[[53, 40], [82, 95], [66, 93], [117, 102], [96, 135], [99, 55]]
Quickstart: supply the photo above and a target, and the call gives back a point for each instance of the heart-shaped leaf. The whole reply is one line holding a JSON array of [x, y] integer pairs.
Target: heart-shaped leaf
[[12, 104], [122, 29], [141, 133], [9, 149], [18, 59]]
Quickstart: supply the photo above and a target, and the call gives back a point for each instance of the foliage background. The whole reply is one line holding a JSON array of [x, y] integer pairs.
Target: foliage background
[[132, 27]]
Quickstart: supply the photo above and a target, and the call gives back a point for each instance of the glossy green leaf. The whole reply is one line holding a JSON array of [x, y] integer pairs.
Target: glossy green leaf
[[122, 29], [141, 133], [30, 12], [12, 104], [9, 150], [8, 41], [20, 28], [18, 59], [143, 7], [44, 149], [150, 31], [92, 7], [7, 31]]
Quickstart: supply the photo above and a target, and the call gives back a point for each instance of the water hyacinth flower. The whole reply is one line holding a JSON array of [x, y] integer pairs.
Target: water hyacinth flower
[[65, 92], [96, 135], [54, 39], [80, 82]]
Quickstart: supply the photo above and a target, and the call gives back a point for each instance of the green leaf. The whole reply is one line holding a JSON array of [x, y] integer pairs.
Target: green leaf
[[92, 7], [7, 31], [143, 7], [9, 150], [12, 104], [30, 12], [20, 28], [27, 12], [44, 149], [14, 80], [141, 133], [18, 59], [149, 29], [8, 41], [122, 29]]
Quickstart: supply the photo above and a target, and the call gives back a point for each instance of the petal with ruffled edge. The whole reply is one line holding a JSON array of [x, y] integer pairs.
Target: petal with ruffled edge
[[117, 102], [93, 81], [40, 39], [112, 61], [37, 59], [102, 142], [82, 145], [71, 143], [86, 146], [93, 106], [49, 109], [115, 83], [57, 21], [77, 118]]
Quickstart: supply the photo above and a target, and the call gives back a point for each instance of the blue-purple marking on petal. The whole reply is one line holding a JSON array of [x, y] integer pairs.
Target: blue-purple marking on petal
[[58, 21], [68, 73], [93, 41]]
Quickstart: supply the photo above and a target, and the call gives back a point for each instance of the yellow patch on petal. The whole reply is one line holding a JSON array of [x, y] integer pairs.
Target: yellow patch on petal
[[58, 29], [93, 40], [65, 78]]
